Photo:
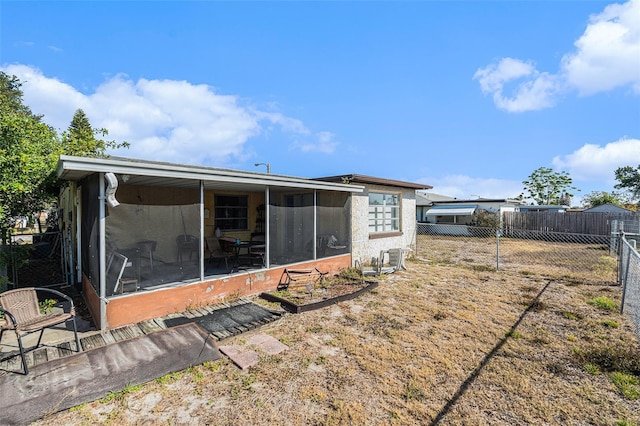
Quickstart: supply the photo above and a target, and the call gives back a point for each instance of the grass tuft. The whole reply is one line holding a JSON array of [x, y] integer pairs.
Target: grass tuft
[[513, 334], [592, 369], [571, 315], [627, 384], [610, 358], [413, 392], [603, 302], [483, 268], [119, 395], [610, 323]]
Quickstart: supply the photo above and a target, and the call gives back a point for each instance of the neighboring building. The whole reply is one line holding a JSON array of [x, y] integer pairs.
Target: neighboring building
[[424, 201], [154, 245], [543, 208], [461, 212], [607, 208]]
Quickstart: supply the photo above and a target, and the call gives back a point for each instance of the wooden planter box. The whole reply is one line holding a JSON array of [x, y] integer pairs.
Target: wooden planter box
[[292, 307]]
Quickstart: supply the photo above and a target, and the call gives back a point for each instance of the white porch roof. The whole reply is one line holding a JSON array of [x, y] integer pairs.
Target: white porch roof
[[153, 173]]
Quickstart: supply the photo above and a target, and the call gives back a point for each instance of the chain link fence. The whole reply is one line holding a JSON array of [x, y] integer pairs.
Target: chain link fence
[[32, 260], [629, 278], [579, 258]]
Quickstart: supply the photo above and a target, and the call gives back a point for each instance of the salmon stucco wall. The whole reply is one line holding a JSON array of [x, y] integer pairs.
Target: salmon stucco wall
[[144, 305], [91, 299], [366, 246]]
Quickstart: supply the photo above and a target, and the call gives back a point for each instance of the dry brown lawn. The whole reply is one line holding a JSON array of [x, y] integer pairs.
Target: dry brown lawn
[[439, 343]]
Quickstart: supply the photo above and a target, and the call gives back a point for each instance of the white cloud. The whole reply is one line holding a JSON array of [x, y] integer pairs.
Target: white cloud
[[469, 188], [50, 97], [606, 57], [595, 163], [537, 91], [164, 119], [323, 142], [608, 53]]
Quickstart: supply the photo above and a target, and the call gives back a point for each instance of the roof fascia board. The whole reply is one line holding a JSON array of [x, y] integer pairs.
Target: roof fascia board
[[371, 180], [164, 170]]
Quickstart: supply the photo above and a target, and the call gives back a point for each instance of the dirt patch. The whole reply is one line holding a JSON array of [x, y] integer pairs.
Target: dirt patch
[[436, 344]]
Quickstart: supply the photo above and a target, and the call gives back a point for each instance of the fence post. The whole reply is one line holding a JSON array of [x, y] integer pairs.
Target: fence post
[[498, 234], [12, 254], [626, 269]]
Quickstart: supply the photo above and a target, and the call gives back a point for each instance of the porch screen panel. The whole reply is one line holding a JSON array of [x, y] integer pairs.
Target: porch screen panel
[[90, 230], [158, 235], [290, 227], [333, 224]]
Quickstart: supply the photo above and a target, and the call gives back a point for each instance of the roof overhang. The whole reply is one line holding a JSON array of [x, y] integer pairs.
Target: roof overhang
[[451, 210], [371, 180], [152, 173]]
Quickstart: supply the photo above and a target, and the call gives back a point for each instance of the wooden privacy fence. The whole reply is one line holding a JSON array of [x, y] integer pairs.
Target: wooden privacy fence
[[569, 222]]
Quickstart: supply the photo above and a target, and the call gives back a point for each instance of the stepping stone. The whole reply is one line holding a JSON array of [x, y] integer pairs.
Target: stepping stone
[[268, 344], [241, 357]]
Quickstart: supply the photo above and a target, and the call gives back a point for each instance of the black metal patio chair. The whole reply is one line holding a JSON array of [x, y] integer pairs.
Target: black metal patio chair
[[22, 314]]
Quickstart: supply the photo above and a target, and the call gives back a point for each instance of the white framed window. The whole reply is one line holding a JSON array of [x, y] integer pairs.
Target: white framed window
[[384, 212]]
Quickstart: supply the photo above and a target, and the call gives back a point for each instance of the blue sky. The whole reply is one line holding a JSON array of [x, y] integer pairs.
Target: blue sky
[[467, 96]]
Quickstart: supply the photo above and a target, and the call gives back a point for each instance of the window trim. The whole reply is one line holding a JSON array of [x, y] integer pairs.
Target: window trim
[[216, 206], [385, 231]]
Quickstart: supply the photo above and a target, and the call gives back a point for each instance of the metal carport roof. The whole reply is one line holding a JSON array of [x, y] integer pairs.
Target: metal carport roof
[[451, 210]]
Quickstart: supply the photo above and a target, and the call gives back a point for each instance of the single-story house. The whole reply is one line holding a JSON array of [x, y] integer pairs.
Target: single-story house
[[543, 208], [461, 212], [144, 239], [425, 200]]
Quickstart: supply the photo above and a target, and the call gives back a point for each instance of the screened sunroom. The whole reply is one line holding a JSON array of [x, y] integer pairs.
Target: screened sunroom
[[140, 228]]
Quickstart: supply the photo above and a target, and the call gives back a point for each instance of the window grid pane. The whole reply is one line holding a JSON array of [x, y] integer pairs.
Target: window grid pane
[[231, 212], [384, 212]]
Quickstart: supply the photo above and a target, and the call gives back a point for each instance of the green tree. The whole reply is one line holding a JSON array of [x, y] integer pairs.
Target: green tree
[[547, 187], [29, 150], [83, 140], [598, 198], [11, 97], [629, 179]]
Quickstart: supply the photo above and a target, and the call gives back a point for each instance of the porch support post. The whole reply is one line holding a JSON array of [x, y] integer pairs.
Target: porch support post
[[78, 208], [267, 259], [315, 223], [201, 239], [101, 251]]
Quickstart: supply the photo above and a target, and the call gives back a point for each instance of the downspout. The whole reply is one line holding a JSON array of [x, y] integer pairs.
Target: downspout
[[102, 257]]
